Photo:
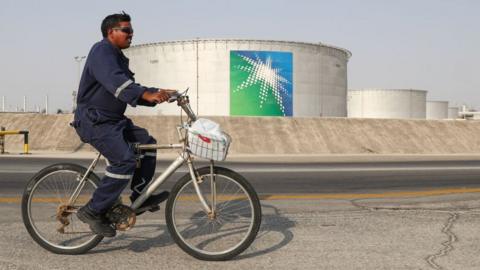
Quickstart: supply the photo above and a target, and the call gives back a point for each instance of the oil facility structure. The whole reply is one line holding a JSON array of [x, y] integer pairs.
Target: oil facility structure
[[437, 110], [387, 103], [242, 77]]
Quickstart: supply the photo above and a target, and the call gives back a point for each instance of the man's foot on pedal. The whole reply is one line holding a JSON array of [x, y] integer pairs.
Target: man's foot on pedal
[[152, 203], [98, 223]]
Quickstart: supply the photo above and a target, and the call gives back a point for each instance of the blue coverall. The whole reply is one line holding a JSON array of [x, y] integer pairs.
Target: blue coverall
[[106, 87]]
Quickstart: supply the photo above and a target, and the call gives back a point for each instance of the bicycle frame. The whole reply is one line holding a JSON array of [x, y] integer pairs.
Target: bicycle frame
[[183, 158]]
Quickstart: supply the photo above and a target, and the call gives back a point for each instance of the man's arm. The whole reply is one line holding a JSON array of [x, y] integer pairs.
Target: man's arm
[[106, 70]]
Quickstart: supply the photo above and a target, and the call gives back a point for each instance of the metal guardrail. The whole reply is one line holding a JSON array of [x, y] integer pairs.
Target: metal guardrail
[[4, 132]]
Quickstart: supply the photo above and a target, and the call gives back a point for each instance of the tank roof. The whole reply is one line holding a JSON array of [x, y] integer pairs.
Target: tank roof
[[387, 89], [347, 52]]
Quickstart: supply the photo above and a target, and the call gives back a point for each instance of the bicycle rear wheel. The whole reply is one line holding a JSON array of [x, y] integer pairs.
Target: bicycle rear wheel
[[48, 219], [226, 234]]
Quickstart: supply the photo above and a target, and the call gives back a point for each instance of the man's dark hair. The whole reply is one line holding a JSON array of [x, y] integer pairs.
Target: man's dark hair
[[112, 21]]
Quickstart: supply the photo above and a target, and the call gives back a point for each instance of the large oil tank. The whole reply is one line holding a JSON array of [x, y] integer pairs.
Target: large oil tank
[[245, 77], [453, 112], [437, 109], [387, 103]]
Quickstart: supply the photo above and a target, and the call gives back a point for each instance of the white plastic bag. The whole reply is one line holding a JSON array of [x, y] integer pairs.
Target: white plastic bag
[[207, 140]]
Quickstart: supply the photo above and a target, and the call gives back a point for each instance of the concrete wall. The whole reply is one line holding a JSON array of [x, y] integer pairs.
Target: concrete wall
[[272, 135]]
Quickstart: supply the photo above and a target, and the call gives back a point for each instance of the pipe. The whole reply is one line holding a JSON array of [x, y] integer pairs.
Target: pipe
[[46, 104], [197, 74]]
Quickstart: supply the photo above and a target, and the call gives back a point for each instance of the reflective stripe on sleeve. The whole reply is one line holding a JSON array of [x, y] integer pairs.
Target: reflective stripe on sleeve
[[123, 86]]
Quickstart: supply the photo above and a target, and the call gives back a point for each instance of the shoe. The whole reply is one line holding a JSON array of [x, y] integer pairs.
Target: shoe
[[98, 223], [151, 204]]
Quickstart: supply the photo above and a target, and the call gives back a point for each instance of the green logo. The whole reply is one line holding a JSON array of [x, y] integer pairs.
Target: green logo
[[261, 83]]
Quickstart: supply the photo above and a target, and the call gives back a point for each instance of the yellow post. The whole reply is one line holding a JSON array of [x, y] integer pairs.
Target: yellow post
[[2, 141], [15, 132], [25, 141]]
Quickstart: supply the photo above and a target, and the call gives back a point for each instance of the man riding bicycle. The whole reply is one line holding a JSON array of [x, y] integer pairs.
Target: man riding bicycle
[[106, 87]]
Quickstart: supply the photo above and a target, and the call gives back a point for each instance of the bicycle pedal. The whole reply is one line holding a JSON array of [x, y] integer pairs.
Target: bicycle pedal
[[142, 210]]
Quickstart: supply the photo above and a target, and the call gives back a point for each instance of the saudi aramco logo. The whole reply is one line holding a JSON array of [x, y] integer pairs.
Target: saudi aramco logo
[[261, 83]]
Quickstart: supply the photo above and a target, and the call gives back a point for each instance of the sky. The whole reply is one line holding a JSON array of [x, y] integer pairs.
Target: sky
[[423, 44]]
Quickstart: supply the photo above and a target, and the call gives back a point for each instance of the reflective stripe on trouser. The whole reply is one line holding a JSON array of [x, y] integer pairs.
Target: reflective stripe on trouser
[[115, 143]]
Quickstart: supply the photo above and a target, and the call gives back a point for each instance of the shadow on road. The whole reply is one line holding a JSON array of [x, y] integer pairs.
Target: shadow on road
[[274, 234], [137, 242], [273, 223]]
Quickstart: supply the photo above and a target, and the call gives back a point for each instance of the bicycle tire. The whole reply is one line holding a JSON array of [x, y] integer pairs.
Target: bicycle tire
[[253, 197], [26, 200]]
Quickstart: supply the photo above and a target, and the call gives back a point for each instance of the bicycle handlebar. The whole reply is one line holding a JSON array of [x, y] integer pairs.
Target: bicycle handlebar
[[173, 97], [184, 102], [176, 95]]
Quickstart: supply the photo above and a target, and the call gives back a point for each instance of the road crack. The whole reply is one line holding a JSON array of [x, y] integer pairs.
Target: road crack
[[447, 245], [447, 230]]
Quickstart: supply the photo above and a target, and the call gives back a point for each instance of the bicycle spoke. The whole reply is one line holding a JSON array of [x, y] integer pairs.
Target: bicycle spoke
[[229, 206], [43, 212], [226, 229], [238, 191], [236, 210]]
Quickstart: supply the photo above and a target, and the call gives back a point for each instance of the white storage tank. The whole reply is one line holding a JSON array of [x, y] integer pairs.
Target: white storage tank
[[245, 77], [453, 112], [387, 103], [437, 109]]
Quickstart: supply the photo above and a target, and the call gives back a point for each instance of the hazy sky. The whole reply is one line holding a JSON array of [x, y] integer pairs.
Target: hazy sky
[[430, 44]]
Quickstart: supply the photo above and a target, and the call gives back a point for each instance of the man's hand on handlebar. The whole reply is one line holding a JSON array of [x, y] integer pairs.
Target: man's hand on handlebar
[[160, 96]]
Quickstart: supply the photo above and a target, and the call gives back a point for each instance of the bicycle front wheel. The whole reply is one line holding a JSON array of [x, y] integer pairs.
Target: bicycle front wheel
[[49, 219], [233, 226]]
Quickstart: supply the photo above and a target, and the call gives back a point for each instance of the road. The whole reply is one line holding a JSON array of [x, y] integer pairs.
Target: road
[[296, 178], [350, 215]]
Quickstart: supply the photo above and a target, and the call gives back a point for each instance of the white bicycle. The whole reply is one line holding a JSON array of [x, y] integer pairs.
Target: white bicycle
[[213, 213]]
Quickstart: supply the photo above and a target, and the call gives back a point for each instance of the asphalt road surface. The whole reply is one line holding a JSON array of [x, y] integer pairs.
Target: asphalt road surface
[[295, 178], [354, 215]]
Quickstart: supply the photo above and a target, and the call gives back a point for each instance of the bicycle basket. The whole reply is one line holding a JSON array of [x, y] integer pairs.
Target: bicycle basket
[[207, 140]]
